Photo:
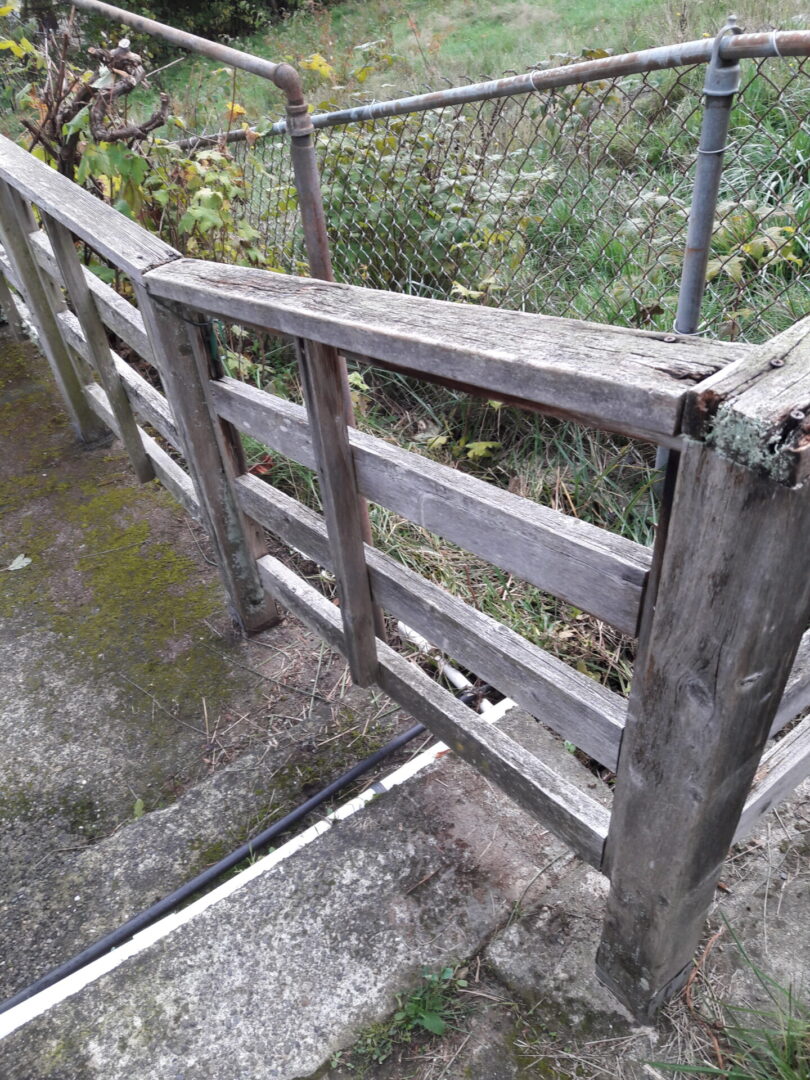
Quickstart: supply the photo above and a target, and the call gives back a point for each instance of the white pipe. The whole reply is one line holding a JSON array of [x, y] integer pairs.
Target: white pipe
[[445, 667]]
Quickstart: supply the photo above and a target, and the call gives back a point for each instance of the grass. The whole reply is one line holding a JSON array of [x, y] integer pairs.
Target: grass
[[768, 1042]]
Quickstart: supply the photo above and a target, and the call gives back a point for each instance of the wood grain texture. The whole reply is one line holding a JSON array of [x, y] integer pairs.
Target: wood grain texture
[[757, 411], [98, 348], [116, 312], [175, 479], [148, 402], [179, 350], [584, 565], [733, 601], [565, 809], [796, 697], [320, 368], [576, 707], [116, 237], [783, 767], [14, 237], [9, 309], [629, 378]]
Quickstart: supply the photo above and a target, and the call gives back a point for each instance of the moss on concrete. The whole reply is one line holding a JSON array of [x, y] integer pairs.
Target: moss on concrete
[[110, 587]]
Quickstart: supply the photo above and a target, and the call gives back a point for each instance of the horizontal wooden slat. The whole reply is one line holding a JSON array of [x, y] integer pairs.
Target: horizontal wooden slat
[[116, 237], [146, 400], [782, 768], [575, 706], [584, 565], [116, 312], [796, 697], [171, 475], [627, 379], [569, 812]]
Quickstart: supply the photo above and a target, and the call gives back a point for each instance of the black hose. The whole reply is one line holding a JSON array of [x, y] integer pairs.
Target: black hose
[[175, 899]]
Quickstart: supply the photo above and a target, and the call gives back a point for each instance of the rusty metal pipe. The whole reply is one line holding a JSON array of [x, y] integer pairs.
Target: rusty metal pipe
[[305, 165], [212, 49]]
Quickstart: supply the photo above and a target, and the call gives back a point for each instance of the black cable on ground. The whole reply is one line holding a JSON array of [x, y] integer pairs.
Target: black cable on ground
[[207, 877]]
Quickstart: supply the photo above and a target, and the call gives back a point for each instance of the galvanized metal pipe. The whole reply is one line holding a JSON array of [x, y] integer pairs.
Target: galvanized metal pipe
[[213, 50], [722, 83], [740, 46]]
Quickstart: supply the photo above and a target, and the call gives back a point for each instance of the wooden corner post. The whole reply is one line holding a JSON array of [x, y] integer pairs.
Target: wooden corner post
[[213, 455], [715, 653]]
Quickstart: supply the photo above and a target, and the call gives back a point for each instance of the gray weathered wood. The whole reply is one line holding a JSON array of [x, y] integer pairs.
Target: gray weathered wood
[[581, 563], [757, 411], [98, 345], [16, 245], [9, 273], [796, 697], [115, 236], [628, 379], [116, 312], [566, 810], [733, 600], [170, 474], [576, 707], [148, 402], [319, 367], [9, 307], [179, 350], [783, 767]]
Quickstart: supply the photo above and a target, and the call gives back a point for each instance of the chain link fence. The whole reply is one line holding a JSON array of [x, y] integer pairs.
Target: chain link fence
[[569, 202]]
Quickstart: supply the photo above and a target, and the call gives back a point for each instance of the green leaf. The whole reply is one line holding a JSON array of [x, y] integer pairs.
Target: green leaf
[[137, 809], [476, 451], [432, 1022], [77, 123]]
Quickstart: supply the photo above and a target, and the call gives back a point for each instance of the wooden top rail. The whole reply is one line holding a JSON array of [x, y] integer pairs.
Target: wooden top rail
[[122, 241], [631, 381], [757, 411]]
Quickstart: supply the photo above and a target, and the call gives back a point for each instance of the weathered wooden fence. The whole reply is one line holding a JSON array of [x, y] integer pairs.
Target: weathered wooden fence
[[720, 604]]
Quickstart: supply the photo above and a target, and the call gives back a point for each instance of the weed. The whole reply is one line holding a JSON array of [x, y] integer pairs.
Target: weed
[[428, 1011], [768, 1043]]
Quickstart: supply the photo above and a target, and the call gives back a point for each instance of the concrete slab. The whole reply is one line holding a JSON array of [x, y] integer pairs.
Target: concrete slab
[[272, 981]]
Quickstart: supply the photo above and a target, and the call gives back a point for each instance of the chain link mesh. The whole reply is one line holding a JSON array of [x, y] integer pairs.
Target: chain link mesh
[[570, 202]]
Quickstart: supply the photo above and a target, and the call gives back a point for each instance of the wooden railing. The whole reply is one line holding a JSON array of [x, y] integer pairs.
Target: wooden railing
[[719, 606]]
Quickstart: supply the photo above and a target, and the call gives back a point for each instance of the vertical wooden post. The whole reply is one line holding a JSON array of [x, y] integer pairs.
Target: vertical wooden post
[[733, 601], [10, 311], [320, 368], [87, 425], [79, 292], [181, 356]]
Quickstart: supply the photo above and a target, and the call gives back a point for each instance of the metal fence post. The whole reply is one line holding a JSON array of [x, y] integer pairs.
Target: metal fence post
[[316, 242], [721, 84]]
